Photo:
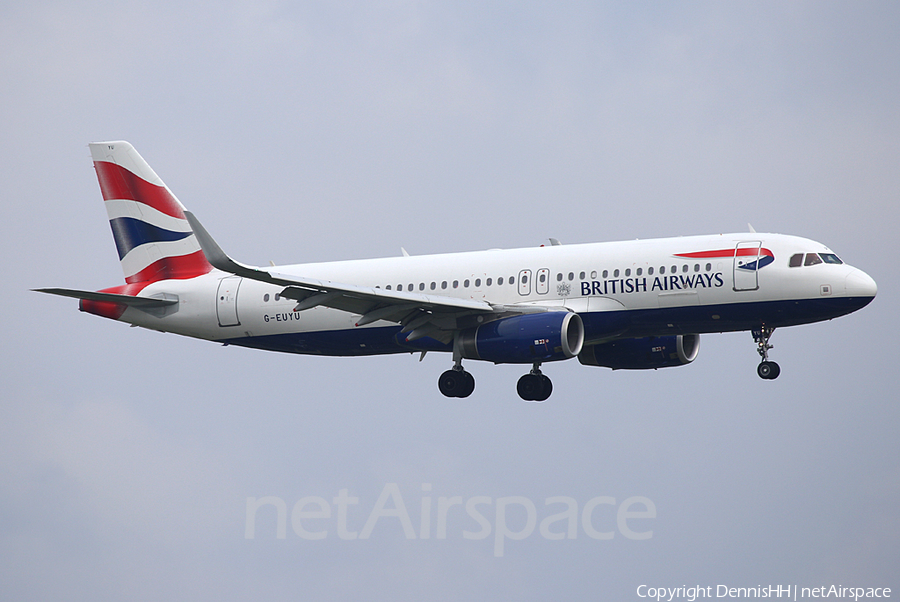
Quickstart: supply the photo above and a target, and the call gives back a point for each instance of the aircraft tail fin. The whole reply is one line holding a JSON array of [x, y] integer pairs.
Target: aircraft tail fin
[[152, 235]]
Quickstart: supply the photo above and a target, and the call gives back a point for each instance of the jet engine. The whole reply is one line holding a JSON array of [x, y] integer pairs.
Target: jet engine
[[525, 339], [643, 353]]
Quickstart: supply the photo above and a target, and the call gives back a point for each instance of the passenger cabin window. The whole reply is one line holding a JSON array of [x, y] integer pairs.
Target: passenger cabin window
[[812, 259]]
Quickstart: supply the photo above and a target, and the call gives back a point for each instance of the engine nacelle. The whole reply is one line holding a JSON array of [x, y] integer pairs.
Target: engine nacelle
[[546, 337], [644, 353]]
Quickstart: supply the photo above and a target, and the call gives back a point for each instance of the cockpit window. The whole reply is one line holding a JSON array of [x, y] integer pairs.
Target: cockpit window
[[812, 259]]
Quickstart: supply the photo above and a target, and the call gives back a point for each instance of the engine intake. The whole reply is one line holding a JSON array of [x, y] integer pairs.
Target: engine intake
[[546, 337], [644, 353]]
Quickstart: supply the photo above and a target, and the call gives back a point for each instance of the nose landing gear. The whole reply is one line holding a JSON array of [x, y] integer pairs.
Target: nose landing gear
[[766, 370]]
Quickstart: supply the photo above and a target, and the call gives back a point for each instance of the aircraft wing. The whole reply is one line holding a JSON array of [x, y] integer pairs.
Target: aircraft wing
[[421, 315]]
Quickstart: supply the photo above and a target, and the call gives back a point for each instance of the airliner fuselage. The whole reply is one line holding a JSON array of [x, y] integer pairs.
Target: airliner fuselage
[[620, 289], [631, 304]]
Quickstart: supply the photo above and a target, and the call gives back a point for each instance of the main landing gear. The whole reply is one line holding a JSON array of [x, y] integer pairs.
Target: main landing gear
[[534, 386], [456, 382], [767, 370]]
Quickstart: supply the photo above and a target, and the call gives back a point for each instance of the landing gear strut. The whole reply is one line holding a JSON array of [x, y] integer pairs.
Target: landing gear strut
[[534, 386], [767, 370]]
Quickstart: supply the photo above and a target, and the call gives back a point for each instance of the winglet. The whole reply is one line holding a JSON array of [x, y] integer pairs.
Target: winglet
[[217, 257], [214, 253]]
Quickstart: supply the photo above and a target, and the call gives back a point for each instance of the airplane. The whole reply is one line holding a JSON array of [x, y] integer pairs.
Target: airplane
[[639, 304]]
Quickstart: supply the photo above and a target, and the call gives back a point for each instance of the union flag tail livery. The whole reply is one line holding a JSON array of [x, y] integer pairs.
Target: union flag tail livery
[[622, 305], [152, 235]]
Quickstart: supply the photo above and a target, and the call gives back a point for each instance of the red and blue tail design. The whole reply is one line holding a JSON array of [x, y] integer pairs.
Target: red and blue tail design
[[154, 239]]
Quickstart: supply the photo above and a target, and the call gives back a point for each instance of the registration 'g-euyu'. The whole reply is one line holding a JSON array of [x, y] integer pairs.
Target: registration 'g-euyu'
[[623, 305]]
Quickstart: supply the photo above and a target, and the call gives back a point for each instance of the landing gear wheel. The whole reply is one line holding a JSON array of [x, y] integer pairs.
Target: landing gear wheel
[[528, 386], [768, 370], [456, 383], [534, 387], [468, 384], [546, 389]]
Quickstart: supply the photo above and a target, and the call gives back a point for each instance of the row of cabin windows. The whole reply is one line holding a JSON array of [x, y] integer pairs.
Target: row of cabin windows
[[637, 272], [559, 277], [455, 284], [541, 277]]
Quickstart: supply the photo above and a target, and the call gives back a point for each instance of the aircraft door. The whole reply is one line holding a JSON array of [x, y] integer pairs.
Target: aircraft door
[[525, 282], [746, 265], [226, 301], [542, 284]]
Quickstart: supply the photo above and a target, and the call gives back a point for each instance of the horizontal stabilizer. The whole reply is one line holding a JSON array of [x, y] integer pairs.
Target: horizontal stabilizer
[[139, 302]]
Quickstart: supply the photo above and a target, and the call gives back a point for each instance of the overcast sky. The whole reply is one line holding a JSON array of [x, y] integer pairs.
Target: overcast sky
[[317, 131]]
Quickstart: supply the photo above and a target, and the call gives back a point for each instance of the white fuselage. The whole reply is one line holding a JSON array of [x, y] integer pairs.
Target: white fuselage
[[652, 287]]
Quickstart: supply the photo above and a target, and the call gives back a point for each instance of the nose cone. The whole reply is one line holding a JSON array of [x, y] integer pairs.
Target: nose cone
[[860, 284]]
